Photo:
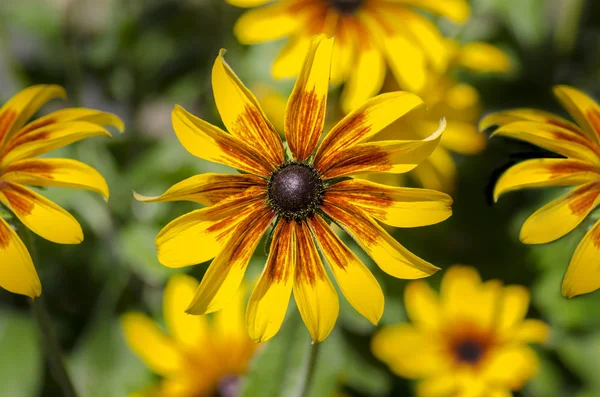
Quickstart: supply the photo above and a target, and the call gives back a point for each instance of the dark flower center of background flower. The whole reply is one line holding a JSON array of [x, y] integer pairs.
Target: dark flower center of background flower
[[469, 351], [346, 6], [295, 191]]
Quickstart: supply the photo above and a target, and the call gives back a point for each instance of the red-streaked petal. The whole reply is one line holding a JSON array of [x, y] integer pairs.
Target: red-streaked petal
[[522, 114], [305, 113], [389, 255], [207, 189], [17, 273], [271, 296], [208, 142], [395, 206], [242, 114], [584, 110], [314, 293], [225, 273]]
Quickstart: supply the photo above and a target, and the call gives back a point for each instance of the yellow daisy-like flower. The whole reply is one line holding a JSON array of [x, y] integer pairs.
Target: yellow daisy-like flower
[[580, 166], [199, 357], [470, 341], [460, 104], [20, 145], [370, 35], [300, 196]]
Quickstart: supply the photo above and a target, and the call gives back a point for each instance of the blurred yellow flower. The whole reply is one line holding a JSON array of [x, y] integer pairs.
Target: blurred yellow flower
[[460, 104], [299, 193], [198, 357], [20, 144], [470, 341], [580, 166], [370, 35]]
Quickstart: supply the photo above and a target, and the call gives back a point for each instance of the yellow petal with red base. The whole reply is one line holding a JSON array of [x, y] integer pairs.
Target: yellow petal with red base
[[149, 342], [41, 215], [242, 114], [56, 172], [226, 272], [545, 172], [269, 301], [314, 293], [189, 331], [365, 122], [17, 273], [208, 189], [21, 107], [522, 114], [208, 142], [583, 274], [584, 110], [357, 283], [395, 206], [561, 215], [267, 23], [305, 113], [389, 255]]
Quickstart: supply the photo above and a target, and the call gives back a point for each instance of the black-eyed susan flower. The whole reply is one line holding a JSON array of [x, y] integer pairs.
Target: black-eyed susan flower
[[199, 356], [370, 36], [471, 340], [298, 193], [460, 104], [20, 145], [579, 166]]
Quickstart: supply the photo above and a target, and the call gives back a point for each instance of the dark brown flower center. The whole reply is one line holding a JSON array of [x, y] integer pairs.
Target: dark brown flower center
[[346, 6], [469, 351], [295, 191]]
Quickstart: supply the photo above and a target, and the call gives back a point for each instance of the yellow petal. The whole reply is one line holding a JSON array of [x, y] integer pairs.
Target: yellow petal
[[456, 10], [156, 349], [305, 113], [208, 142], [523, 114], [41, 215], [408, 351], [513, 307], [554, 138], [289, 61], [21, 107], [511, 367], [442, 385], [389, 255], [229, 327], [344, 51], [406, 61], [207, 189], [483, 57], [460, 286], [190, 331], [422, 305], [247, 3], [532, 331], [438, 171], [561, 215], [267, 23], [365, 79], [583, 274], [226, 272], [395, 206], [314, 293], [56, 172], [271, 296], [17, 273], [584, 110], [545, 172], [462, 138], [383, 156], [48, 138], [355, 280], [243, 116], [177, 243], [365, 122]]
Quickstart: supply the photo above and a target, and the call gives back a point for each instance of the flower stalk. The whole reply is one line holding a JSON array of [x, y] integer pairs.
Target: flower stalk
[[309, 373]]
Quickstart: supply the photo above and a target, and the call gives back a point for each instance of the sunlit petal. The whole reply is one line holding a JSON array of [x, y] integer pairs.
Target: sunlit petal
[[17, 273], [583, 274]]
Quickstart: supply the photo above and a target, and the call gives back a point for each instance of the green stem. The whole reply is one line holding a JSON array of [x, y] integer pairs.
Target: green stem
[[309, 374], [52, 348]]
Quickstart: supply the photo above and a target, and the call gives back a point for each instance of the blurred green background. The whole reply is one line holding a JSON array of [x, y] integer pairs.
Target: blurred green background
[[137, 58]]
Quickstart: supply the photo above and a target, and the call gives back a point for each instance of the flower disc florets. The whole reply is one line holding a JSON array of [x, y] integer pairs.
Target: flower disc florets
[[346, 6], [469, 351], [295, 191]]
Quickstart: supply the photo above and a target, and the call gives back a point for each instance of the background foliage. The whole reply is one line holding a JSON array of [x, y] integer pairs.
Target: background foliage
[[137, 58]]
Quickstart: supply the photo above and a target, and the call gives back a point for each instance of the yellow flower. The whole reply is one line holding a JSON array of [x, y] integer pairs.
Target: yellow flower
[[300, 196], [469, 341], [460, 104], [198, 356], [20, 144], [580, 166], [370, 35]]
